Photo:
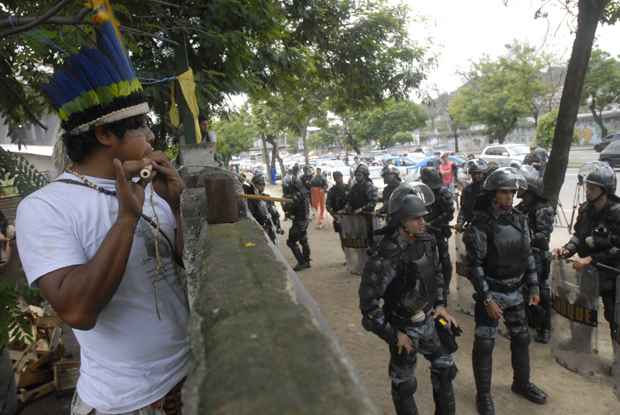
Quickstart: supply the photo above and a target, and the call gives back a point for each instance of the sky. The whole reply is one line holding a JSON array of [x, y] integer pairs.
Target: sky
[[462, 31]]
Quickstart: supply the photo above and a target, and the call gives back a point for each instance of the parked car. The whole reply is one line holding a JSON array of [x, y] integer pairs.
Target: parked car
[[611, 154], [605, 141], [505, 154]]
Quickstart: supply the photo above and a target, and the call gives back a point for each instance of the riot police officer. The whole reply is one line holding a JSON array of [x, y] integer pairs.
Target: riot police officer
[[264, 212], [337, 198], [306, 178], [401, 294], [362, 197], [596, 238], [441, 213], [540, 216], [537, 158], [476, 168], [363, 193], [391, 178], [298, 210], [499, 250]]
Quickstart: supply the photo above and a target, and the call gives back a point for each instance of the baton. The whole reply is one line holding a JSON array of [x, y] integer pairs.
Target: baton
[[265, 198]]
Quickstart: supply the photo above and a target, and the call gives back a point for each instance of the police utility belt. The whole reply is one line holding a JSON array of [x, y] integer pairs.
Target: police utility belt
[[505, 285], [416, 318]]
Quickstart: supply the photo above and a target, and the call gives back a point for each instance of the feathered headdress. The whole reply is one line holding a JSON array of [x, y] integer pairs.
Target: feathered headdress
[[98, 85]]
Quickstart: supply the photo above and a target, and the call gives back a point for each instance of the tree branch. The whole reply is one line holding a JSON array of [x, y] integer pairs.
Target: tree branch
[[27, 23]]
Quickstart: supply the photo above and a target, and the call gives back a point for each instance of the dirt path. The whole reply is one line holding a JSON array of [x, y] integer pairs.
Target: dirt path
[[336, 292]]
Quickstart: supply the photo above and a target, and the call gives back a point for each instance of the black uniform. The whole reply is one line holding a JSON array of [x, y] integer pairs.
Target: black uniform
[[299, 212], [440, 215], [405, 275], [336, 201], [597, 234], [306, 180], [363, 195], [468, 200], [540, 216], [499, 250], [264, 212]]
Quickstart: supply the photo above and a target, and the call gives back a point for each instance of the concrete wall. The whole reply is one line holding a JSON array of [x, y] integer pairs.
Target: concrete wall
[[259, 343]]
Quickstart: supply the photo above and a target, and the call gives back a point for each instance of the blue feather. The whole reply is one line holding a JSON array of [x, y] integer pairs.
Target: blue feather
[[100, 61], [109, 44], [67, 83], [55, 94], [89, 72]]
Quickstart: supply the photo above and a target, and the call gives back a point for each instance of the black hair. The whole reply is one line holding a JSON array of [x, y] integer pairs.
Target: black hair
[[80, 146]]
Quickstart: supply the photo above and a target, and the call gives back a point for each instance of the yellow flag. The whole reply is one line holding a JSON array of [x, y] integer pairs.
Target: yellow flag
[[188, 88], [175, 120]]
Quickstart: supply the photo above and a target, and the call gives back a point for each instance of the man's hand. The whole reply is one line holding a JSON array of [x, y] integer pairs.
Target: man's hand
[[167, 183], [442, 312], [130, 196], [582, 263], [404, 342], [458, 227], [534, 300], [561, 252], [493, 310]]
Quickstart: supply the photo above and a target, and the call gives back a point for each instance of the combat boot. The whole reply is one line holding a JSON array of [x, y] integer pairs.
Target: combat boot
[[520, 356], [482, 360]]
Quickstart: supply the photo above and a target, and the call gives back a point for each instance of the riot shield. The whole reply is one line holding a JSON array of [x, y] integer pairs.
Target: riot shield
[[356, 240], [465, 289], [574, 343]]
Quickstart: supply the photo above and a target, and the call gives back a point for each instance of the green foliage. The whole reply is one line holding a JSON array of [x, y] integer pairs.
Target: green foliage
[[26, 177], [546, 129], [235, 134], [15, 323], [499, 92], [389, 124], [307, 52], [602, 85]]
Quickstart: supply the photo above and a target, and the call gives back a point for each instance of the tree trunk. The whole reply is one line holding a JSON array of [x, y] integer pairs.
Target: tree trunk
[[266, 157], [590, 12], [275, 153], [598, 117], [456, 140]]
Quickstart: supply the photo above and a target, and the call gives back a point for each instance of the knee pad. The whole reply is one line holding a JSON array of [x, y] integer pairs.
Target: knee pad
[[445, 374], [484, 345], [405, 389], [521, 337]]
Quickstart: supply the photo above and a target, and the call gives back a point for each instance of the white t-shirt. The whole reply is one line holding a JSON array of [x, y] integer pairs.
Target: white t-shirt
[[131, 358]]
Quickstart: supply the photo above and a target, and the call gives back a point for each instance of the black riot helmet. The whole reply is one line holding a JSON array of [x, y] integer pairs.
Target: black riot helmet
[[505, 178], [600, 174], [477, 166], [258, 179], [409, 200], [431, 177], [533, 179], [362, 168], [387, 170]]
